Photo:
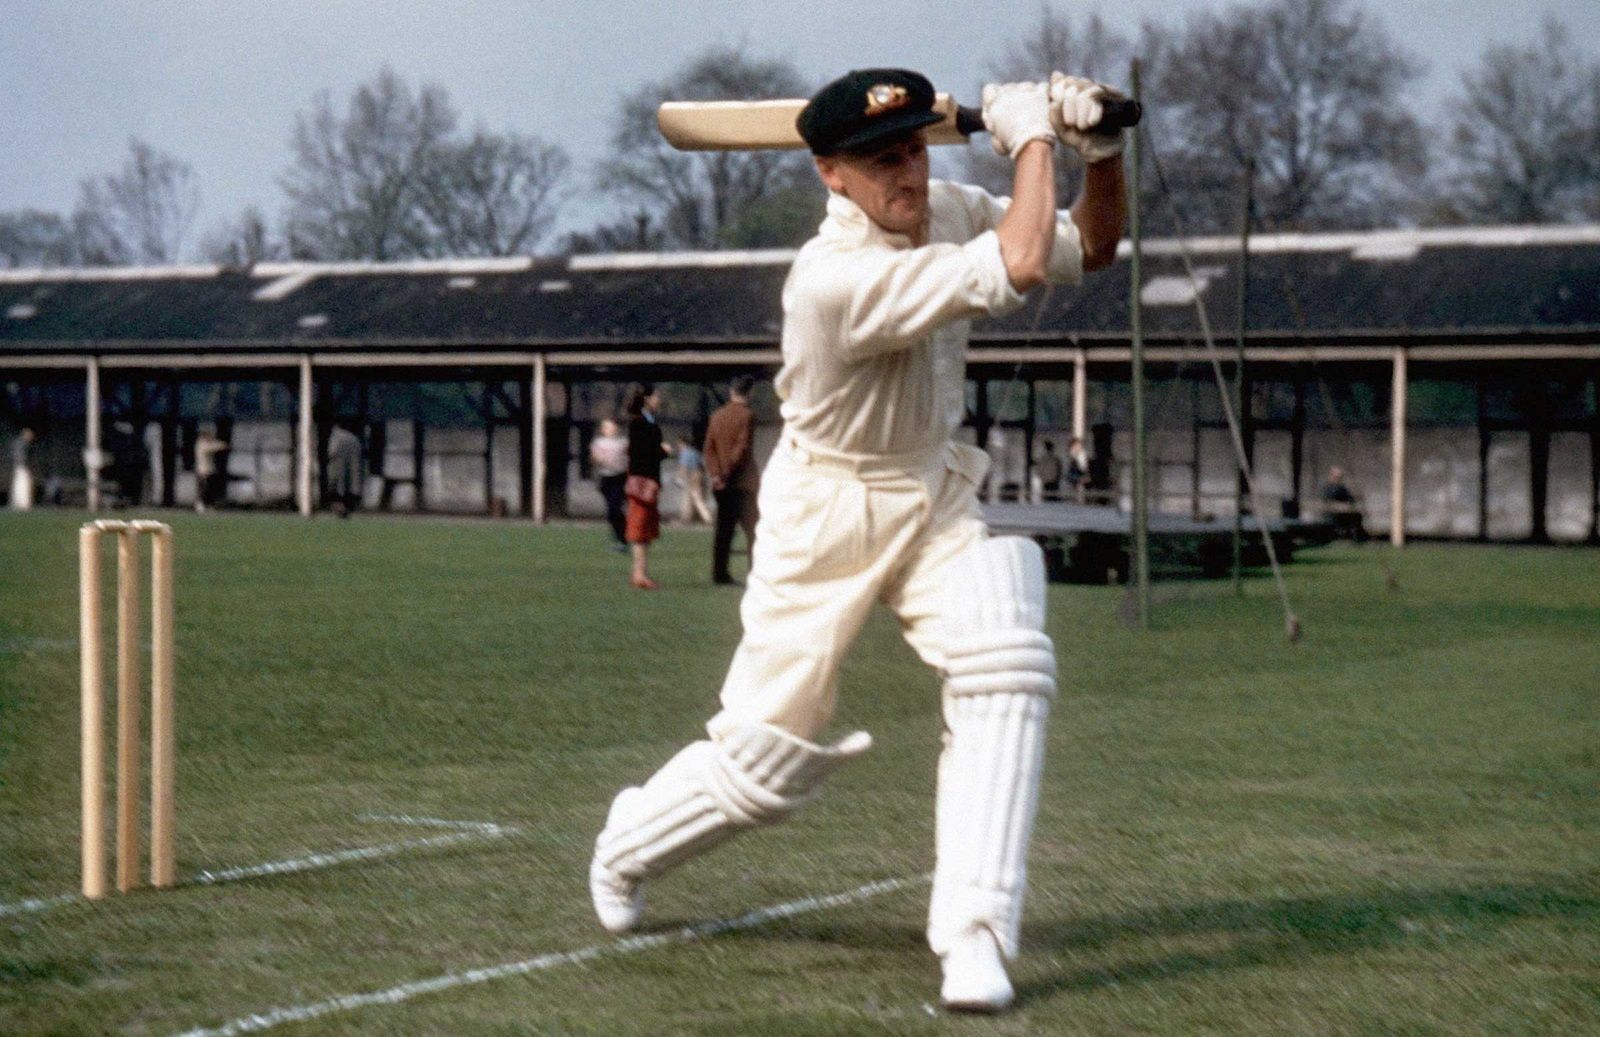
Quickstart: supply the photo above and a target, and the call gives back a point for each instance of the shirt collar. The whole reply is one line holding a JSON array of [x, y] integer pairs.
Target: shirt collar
[[850, 222]]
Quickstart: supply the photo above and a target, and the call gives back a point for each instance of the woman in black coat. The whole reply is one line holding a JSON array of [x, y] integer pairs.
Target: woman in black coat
[[646, 448]]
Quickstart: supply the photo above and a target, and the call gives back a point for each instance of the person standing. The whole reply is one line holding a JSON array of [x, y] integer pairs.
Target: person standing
[[210, 478], [1049, 472], [870, 498], [735, 478], [344, 470], [608, 457], [646, 448], [1077, 465], [692, 477], [22, 481]]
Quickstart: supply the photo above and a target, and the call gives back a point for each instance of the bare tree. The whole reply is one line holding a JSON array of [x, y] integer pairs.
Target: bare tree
[[636, 233], [491, 195], [1312, 90], [1524, 146], [33, 238], [355, 185], [243, 241], [699, 198], [138, 215]]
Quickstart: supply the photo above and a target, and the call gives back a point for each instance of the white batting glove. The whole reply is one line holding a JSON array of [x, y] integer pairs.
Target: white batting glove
[[1076, 106], [1015, 114]]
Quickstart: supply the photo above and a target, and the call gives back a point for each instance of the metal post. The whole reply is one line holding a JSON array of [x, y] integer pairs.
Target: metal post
[[1141, 502], [306, 441], [1241, 302], [91, 434], [539, 451], [1397, 462]]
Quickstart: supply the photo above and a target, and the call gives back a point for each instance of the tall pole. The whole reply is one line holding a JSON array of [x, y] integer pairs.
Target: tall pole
[[1141, 503], [1241, 486]]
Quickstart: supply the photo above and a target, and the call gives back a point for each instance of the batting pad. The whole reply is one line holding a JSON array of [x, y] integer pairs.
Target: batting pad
[[756, 774], [1000, 675]]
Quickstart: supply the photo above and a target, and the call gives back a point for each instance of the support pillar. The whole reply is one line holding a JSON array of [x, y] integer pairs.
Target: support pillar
[[540, 465], [1483, 462], [1594, 458], [93, 462], [305, 441], [1080, 396], [1397, 461]]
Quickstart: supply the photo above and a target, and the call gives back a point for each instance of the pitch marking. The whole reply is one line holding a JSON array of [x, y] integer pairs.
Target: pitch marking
[[469, 831], [275, 1017]]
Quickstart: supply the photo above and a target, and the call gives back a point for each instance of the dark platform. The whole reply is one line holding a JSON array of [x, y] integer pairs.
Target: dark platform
[[1086, 543]]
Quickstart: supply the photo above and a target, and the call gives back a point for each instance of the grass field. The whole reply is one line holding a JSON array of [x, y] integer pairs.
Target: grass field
[[1392, 827]]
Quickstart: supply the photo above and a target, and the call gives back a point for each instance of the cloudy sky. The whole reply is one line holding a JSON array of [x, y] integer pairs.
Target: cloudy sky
[[218, 82]]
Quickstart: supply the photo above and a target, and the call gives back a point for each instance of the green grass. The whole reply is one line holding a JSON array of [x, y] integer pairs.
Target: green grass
[[1390, 827]]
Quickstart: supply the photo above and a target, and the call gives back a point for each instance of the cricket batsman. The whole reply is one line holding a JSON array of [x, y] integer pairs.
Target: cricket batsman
[[869, 499]]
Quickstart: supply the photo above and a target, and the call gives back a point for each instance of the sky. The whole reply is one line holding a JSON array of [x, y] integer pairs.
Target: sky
[[218, 82]]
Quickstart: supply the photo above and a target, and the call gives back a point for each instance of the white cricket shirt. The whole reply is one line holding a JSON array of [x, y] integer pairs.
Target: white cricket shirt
[[875, 330]]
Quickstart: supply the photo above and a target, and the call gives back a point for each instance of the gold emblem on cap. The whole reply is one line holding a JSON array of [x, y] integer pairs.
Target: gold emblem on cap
[[884, 97]]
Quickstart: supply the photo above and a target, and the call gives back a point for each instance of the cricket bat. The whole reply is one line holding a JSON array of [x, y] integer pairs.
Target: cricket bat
[[769, 125]]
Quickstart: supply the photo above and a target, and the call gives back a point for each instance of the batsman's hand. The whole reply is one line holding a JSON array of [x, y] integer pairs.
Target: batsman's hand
[[1076, 107], [1015, 114]]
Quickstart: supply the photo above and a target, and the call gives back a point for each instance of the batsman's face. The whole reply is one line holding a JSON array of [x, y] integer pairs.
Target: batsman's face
[[890, 185]]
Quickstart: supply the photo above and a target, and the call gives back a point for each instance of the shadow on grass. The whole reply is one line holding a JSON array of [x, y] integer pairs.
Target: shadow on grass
[[1254, 933], [1287, 929]]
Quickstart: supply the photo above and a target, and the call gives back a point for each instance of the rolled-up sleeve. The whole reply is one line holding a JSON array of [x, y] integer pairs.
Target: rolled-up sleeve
[[887, 300], [1066, 255]]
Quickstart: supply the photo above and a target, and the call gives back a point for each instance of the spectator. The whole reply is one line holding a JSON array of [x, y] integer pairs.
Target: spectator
[[1050, 472], [22, 470], [1340, 505], [344, 470], [608, 457], [692, 477], [643, 488], [1099, 487], [735, 478], [211, 482], [1077, 464], [128, 462]]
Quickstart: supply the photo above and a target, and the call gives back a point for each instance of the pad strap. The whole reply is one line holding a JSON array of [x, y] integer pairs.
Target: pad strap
[[751, 775]]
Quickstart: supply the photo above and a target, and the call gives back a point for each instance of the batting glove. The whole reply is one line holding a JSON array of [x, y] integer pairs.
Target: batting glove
[[1076, 106], [1015, 114]]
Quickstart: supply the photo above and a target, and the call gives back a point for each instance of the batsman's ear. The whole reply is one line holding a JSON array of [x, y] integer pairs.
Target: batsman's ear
[[828, 170]]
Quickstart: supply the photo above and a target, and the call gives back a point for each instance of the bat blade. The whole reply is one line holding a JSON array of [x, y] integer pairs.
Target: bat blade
[[763, 125]]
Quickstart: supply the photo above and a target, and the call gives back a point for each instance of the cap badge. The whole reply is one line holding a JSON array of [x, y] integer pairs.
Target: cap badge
[[884, 97]]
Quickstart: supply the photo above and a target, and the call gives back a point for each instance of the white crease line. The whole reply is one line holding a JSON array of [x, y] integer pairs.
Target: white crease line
[[486, 827], [24, 907], [406, 991], [315, 861], [311, 862]]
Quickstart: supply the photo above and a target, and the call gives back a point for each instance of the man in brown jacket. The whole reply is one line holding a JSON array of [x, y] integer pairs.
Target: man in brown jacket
[[735, 479]]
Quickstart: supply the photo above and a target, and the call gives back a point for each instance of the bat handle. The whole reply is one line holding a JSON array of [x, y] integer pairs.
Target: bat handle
[[1120, 113]]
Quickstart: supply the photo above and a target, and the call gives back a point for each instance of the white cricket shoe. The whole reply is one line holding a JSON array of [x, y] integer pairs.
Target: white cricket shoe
[[975, 975], [618, 902]]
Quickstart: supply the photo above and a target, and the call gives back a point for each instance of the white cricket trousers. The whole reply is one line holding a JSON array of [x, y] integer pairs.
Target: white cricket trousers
[[837, 534]]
